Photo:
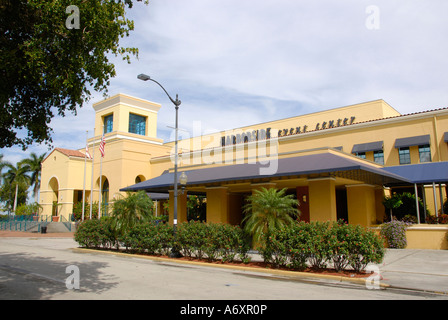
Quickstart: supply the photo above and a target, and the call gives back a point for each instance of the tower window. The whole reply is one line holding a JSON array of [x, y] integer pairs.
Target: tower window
[[108, 123], [137, 124]]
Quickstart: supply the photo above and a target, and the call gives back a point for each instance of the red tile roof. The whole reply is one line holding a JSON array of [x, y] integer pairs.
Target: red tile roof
[[70, 153]]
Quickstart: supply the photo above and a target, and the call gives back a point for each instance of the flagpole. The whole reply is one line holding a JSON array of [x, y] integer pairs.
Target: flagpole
[[101, 178], [84, 184], [101, 174], [91, 185]]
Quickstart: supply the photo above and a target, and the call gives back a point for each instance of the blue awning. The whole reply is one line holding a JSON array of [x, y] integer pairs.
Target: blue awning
[[366, 147], [422, 173], [325, 164], [412, 141]]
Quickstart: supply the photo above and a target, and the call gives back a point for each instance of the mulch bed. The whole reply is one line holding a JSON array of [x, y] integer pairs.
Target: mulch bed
[[253, 264]]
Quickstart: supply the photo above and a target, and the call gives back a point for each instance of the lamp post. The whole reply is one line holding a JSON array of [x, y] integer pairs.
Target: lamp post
[[175, 250]]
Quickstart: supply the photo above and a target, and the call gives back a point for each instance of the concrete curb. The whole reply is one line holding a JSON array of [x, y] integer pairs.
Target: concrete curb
[[295, 275]]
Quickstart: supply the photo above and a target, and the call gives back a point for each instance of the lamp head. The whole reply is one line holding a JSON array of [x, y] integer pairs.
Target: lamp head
[[183, 179], [143, 77]]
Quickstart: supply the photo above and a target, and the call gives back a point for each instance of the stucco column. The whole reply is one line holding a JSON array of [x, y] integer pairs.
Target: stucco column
[[361, 204], [322, 199], [217, 205]]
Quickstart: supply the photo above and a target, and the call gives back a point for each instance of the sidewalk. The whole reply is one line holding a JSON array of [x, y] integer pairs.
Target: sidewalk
[[23, 234], [410, 269], [416, 269]]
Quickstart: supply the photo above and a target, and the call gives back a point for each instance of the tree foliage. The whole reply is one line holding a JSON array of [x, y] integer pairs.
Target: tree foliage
[[131, 210], [50, 69], [267, 210]]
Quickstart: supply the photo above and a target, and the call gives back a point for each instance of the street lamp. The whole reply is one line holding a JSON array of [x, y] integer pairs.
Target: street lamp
[[183, 181], [175, 250]]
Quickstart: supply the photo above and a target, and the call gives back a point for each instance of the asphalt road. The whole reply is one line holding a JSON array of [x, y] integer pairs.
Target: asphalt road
[[49, 269]]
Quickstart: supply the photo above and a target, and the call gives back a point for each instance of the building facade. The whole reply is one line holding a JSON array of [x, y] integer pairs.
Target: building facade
[[339, 163]]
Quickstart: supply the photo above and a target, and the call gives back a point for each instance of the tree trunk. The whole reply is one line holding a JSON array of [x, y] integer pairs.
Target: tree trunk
[[15, 198]]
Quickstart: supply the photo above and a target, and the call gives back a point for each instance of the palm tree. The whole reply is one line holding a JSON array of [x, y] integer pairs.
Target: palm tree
[[33, 166], [128, 211], [15, 176], [269, 209]]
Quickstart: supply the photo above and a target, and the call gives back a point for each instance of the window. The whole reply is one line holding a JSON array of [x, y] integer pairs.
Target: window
[[108, 123], [137, 124], [404, 155], [378, 156], [425, 153], [361, 155]]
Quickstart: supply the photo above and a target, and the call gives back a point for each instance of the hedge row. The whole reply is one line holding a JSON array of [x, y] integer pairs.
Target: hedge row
[[194, 239], [316, 244]]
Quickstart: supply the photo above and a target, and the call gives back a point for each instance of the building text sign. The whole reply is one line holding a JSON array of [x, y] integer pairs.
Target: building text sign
[[262, 134]]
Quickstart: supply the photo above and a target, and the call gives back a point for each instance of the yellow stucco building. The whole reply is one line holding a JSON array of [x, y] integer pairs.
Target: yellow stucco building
[[339, 163]]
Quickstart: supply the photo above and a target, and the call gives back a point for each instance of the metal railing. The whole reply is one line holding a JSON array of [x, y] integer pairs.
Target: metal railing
[[30, 222]]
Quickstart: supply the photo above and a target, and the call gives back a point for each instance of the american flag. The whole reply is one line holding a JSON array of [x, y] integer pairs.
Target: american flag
[[88, 153], [102, 144]]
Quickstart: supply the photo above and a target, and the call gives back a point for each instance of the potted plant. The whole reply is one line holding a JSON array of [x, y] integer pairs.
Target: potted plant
[[55, 218]]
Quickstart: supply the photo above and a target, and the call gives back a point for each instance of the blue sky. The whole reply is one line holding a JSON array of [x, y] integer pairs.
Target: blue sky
[[236, 63]]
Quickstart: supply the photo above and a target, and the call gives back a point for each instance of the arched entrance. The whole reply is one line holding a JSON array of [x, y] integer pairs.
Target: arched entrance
[[105, 197], [53, 185]]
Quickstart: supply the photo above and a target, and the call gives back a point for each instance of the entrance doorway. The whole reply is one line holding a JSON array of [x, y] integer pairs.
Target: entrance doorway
[[341, 204]]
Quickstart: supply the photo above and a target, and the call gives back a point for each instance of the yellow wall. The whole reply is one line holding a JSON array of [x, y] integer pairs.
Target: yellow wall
[[427, 237], [361, 204], [217, 205], [322, 199], [69, 174]]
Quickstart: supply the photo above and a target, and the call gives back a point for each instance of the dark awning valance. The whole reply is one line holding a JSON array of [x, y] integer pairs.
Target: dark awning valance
[[327, 164], [366, 147], [412, 141]]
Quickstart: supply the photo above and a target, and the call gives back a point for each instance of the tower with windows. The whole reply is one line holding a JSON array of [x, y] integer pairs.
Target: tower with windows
[[129, 127]]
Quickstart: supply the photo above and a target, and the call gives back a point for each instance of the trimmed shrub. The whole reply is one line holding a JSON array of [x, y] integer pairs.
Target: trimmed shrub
[[364, 247], [95, 233], [141, 238], [317, 243], [213, 241], [339, 244]]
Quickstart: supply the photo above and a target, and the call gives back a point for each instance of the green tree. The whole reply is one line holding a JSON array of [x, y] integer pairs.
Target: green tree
[[50, 65], [268, 209], [17, 176], [131, 210], [392, 203], [33, 166]]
